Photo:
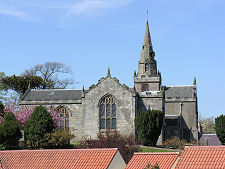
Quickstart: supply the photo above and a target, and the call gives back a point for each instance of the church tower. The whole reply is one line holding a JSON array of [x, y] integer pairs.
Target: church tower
[[147, 78], [147, 82]]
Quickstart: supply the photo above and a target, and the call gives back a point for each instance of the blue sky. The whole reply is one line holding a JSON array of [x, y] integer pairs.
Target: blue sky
[[188, 37]]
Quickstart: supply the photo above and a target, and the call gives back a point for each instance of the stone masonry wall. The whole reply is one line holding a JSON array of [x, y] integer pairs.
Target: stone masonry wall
[[125, 110]]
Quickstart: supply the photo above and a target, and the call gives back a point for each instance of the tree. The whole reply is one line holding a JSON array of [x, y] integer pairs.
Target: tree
[[2, 107], [20, 84], [148, 125], [3, 92], [10, 130], [220, 128], [58, 139], [37, 126], [208, 125], [49, 71], [126, 145], [23, 113]]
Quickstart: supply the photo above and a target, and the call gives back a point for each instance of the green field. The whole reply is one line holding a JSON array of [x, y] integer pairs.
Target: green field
[[150, 149]]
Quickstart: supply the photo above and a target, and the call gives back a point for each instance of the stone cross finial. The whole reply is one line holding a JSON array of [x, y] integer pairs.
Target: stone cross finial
[[83, 93], [108, 74], [194, 82]]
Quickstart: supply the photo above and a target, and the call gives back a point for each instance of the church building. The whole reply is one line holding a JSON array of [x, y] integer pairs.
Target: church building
[[110, 105]]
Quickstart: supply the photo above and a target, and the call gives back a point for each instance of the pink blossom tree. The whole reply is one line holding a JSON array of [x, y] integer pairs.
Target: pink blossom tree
[[23, 113], [55, 117]]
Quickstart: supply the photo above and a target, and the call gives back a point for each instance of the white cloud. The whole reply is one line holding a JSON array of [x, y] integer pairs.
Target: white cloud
[[11, 12], [24, 9], [94, 6]]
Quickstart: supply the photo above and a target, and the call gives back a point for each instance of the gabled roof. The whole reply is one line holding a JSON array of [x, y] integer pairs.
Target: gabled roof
[[179, 91], [210, 140], [165, 160], [202, 157], [58, 159], [52, 94]]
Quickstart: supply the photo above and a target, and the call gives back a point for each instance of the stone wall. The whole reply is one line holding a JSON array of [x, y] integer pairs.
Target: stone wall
[[125, 102]]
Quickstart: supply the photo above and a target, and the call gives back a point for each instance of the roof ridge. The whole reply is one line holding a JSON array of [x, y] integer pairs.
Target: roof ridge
[[203, 147], [52, 89], [181, 86], [59, 150], [156, 153]]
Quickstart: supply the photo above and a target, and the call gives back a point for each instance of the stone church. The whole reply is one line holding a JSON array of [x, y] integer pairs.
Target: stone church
[[112, 105]]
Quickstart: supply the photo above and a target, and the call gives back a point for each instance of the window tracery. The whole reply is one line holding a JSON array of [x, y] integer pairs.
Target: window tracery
[[64, 118], [107, 113]]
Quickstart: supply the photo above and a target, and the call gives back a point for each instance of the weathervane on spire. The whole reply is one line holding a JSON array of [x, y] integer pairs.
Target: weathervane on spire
[[147, 14]]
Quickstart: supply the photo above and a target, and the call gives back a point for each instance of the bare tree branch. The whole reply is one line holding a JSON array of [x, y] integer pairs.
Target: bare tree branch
[[49, 71]]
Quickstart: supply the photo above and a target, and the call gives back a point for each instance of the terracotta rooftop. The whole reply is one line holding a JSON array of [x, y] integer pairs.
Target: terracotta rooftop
[[165, 160], [57, 159], [202, 157]]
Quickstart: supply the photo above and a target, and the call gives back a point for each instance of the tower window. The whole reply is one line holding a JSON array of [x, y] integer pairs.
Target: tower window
[[107, 113], [146, 67], [64, 118], [144, 87]]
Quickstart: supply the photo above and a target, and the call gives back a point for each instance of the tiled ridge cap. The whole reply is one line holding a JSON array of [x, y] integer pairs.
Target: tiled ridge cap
[[60, 150], [181, 86], [157, 153], [204, 147], [53, 89]]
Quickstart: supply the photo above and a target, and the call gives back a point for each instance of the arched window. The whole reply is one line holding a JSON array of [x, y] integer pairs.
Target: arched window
[[64, 118], [107, 113]]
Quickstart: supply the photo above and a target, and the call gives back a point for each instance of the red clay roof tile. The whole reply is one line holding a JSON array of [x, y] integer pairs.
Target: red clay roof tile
[[202, 157], [57, 159], [165, 160]]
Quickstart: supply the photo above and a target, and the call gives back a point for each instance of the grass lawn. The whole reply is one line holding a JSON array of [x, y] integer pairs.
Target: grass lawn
[[151, 149]]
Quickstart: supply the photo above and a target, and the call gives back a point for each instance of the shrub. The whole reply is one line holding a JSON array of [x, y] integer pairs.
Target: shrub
[[1, 109], [2, 113], [149, 166], [126, 145], [58, 139], [37, 126], [175, 143], [220, 128], [148, 125], [10, 131], [3, 147]]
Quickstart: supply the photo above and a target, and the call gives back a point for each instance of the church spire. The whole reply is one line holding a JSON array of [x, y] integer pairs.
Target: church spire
[[147, 39], [147, 63]]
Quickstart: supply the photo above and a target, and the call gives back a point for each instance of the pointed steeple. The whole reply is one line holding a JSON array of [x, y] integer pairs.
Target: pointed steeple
[[108, 74], [147, 63], [147, 39], [147, 53]]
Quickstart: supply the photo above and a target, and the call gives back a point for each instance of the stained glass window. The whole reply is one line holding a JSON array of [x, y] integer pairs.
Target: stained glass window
[[64, 118], [107, 113]]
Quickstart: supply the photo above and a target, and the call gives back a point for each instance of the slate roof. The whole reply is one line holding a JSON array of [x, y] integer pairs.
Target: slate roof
[[58, 159], [52, 94], [210, 140], [179, 91], [165, 160], [197, 157]]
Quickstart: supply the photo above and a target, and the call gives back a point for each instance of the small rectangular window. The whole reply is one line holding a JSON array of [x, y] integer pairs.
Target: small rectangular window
[[144, 87]]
